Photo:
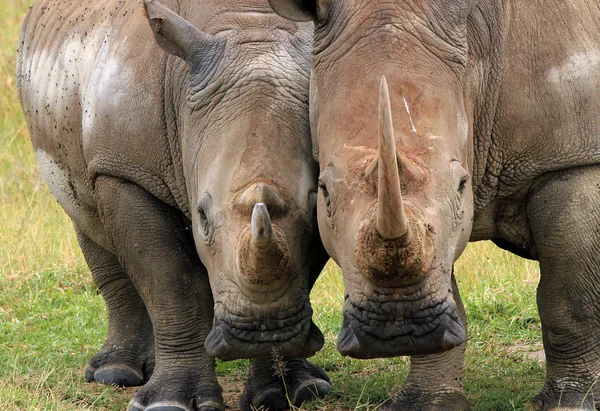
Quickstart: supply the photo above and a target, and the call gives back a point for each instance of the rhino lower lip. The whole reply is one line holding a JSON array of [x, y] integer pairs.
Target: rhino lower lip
[[239, 336], [222, 344], [357, 342], [387, 329], [274, 324], [398, 319]]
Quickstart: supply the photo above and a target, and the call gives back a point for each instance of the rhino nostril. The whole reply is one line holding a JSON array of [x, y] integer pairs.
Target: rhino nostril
[[396, 262]]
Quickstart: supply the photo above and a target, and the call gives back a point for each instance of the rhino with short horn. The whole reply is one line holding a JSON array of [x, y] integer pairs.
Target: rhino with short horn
[[436, 122], [179, 145]]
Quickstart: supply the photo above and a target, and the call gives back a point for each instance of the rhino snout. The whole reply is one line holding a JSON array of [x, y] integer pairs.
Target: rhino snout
[[301, 341], [376, 329], [394, 262], [263, 253]]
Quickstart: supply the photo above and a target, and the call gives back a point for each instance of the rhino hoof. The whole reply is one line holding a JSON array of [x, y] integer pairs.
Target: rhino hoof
[[210, 406], [158, 407], [89, 375], [119, 375], [271, 399], [309, 391], [452, 401]]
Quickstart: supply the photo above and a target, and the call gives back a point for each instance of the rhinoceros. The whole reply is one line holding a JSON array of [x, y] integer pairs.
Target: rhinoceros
[[439, 122], [179, 145]]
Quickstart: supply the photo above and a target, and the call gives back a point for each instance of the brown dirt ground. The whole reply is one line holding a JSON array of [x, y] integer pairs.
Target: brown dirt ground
[[232, 390]]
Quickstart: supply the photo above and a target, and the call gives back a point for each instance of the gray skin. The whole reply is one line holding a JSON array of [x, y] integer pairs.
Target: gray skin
[[189, 177], [437, 122]]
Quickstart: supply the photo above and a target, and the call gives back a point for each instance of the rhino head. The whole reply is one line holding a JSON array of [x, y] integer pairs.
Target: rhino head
[[390, 118], [240, 117]]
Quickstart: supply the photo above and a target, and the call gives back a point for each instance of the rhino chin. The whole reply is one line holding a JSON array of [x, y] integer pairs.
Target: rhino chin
[[357, 341], [221, 344]]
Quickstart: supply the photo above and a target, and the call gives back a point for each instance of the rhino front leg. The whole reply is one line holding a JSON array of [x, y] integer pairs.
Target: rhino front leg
[[127, 356], [274, 384], [434, 382], [159, 255], [564, 214]]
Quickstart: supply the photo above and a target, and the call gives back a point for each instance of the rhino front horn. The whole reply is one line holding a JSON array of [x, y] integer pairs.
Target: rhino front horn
[[263, 256], [261, 228], [391, 217]]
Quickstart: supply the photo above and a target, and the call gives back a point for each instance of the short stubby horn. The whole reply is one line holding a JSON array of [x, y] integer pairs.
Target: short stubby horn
[[392, 222], [263, 256], [261, 228]]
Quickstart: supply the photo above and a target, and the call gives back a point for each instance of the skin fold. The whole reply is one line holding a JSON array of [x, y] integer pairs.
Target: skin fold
[[176, 137], [440, 122]]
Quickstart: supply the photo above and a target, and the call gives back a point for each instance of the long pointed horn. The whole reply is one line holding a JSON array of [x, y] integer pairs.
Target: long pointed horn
[[260, 226], [391, 217]]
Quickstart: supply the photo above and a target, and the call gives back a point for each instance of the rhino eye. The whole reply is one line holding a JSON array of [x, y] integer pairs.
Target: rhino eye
[[203, 223], [463, 184], [323, 189], [460, 174], [326, 197]]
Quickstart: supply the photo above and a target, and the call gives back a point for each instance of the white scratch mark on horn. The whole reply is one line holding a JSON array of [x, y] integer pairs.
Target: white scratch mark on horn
[[409, 116]]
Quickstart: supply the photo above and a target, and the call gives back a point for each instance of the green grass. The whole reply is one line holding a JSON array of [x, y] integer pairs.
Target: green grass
[[52, 318]]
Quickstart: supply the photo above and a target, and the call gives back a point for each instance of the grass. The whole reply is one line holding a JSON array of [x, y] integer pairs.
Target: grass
[[52, 318]]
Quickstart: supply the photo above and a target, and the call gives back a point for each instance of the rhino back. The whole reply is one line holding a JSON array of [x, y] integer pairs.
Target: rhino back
[[540, 111], [89, 79]]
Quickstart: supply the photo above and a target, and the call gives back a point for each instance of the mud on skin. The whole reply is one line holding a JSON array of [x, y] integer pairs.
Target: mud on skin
[[152, 134]]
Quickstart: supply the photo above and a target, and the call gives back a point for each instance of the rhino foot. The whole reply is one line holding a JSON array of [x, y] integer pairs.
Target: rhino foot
[[176, 407], [302, 381], [115, 374], [163, 407], [567, 399], [124, 368], [412, 401], [179, 390]]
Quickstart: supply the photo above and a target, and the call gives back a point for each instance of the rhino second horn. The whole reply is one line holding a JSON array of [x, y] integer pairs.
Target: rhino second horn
[[392, 222], [260, 227]]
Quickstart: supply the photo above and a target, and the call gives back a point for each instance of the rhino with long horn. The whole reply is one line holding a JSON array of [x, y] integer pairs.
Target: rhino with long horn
[[496, 103]]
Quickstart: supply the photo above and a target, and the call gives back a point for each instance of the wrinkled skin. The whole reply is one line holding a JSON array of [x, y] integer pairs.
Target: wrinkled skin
[[179, 145], [485, 127]]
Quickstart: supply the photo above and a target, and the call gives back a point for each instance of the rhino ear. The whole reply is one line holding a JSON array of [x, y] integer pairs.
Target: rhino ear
[[174, 34], [301, 10]]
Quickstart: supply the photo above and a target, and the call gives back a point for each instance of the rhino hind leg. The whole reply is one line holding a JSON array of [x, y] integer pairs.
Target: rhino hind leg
[[127, 356], [434, 382], [564, 214], [155, 245], [301, 382]]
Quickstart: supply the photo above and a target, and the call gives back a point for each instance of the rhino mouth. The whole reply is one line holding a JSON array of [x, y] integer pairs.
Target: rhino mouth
[[395, 324], [290, 333]]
